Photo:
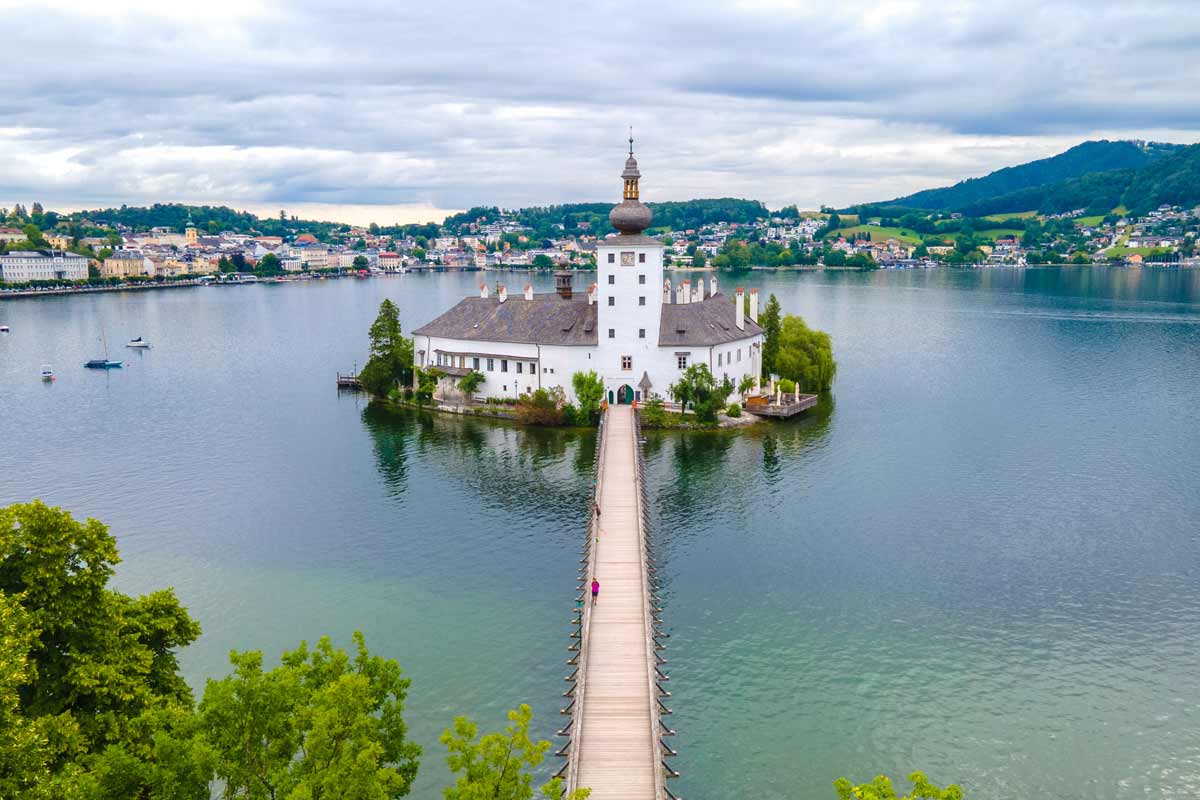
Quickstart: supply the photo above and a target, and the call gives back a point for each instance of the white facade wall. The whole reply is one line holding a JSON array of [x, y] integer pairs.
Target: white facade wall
[[627, 325], [539, 365], [31, 266]]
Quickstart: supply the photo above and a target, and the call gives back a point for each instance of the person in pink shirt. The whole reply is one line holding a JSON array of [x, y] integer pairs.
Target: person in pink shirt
[[595, 589]]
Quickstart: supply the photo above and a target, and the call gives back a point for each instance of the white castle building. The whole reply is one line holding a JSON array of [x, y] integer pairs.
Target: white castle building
[[636, 331]]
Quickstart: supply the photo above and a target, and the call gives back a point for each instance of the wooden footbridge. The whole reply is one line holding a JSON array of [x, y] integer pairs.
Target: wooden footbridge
[[615, 737]]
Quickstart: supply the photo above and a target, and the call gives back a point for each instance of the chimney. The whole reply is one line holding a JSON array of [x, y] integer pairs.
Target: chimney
[[739, 302], [502, 293], [679, 294], [483, 291], [699, 289], [529, 291], [754, 305], [667, 291], [712, 285], [687, 290], [562, 283], [592, 295]]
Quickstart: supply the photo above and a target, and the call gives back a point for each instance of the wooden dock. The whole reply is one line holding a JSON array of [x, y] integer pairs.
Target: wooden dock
[[350, 381], [615, 746], [780, 405]]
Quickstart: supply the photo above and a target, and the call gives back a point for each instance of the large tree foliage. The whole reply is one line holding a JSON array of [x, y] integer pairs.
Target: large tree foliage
[[497, 766], [391, 360], [881, 789], [804, 356], [770, 320], [589, 391], [322, 725], [699, 390], [86, 664]]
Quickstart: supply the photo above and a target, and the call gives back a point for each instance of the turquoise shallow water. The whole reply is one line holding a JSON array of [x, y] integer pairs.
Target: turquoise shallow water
[[980, 558]]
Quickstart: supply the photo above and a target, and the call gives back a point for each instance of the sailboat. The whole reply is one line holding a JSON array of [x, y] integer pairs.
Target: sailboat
[[103, 363]]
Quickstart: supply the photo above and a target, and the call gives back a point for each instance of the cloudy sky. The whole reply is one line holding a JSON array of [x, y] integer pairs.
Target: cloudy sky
[[399, 110]]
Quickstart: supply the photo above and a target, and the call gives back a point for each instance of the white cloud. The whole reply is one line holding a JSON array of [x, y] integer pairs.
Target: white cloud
[[443, 106]]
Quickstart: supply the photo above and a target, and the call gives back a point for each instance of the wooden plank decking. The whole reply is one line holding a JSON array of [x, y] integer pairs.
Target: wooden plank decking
[[615, 748]]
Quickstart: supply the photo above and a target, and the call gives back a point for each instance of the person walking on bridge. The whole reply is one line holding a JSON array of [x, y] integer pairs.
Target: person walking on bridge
[[595, 589]]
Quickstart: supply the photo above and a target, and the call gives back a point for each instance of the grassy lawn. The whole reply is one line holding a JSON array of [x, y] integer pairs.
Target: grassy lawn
[[1119, 250], [1120, 211], [993, 234], [881, 234], [1012, 215], [1089, 222]]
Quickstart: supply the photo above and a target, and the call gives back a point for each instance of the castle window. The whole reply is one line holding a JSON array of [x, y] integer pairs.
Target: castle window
[[626, 362], [641, 279], [532, 368], [504, 365], [612, 257], [641, 301], [641, 333], [519, 365], [718, 359], [641, 258], [681, 361], [475, 364], [491, 364], [612, 333], [739, 354], [612, 279], [612, 301]]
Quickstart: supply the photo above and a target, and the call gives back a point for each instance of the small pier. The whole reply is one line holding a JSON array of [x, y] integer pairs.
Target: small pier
[[350, 381], [616, 734], [779, 404]]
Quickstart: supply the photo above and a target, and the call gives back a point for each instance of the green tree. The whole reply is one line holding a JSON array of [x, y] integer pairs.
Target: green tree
[[770, 321], [881, 789], [804, 355], [391, 358], [224, 264], [360, 262], [698, 259], [268, 263], [96, 659], [427, 381], [698, 389], [589, 391], [542, 261], [471, 382], [497, 766], [34, 234], [746, 385], [321, 725]]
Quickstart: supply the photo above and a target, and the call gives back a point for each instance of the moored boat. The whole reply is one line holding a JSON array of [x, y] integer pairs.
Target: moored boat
[[138, 342], [47, 372], [3, 329], [102, 363]]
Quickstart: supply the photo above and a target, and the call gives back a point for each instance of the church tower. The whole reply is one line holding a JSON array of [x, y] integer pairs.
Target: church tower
[[630, 296], [189, 233]]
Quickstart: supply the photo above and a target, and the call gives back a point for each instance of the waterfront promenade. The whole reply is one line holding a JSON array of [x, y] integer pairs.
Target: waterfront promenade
[[615, 749]]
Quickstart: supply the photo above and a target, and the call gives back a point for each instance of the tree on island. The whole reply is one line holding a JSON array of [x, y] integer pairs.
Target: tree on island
[[391, 359], [881, 789], [471, 382], [770, 321], [589, 391], [698, 389], [804, 355], [497, 766]]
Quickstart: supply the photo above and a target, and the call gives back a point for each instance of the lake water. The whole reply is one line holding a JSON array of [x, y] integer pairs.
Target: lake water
[[980, 558]]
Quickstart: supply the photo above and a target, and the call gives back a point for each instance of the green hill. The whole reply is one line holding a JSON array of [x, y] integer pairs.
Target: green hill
[[1001, 191]]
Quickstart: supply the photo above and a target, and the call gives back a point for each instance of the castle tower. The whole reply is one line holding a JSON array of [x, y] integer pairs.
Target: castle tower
[[630, 293]]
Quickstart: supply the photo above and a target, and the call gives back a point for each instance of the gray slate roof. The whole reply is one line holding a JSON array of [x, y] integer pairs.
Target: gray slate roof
[[709, 322], [629, 240], [546, 319]]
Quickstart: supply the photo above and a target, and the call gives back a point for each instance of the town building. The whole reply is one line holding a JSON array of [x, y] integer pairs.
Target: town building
[[637, 332], [123, 263], [42, 265]]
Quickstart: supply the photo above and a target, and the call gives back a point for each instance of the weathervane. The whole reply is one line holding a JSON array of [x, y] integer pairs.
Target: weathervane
[[630, 140]]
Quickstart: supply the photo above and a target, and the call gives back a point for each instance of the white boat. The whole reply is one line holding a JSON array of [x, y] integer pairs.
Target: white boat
[[47, 372], [3, 329], [138, 342]]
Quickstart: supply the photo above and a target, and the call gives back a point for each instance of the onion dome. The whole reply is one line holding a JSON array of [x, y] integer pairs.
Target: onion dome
[[630, 217]]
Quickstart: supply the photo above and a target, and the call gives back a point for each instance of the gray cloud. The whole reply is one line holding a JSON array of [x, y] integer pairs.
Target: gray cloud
[[458, 103]]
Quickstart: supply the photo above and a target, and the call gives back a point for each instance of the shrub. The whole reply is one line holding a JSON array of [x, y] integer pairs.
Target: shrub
[[734, 410], [787, 386], [539, 408], [653, 415]]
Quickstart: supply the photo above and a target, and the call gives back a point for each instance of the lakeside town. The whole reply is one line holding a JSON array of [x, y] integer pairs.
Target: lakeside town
[[37, 256]]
